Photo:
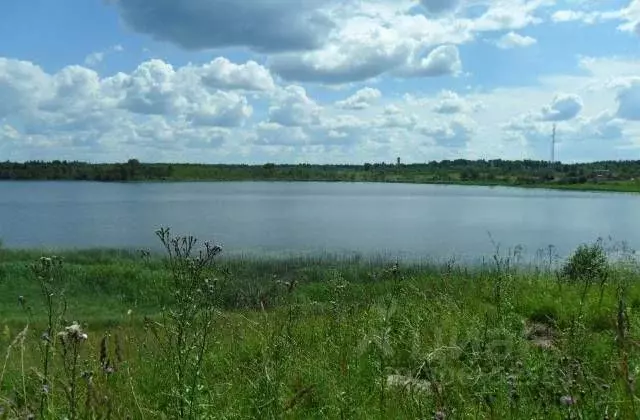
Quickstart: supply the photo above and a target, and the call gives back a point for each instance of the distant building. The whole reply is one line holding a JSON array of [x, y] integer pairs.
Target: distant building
[[398, 161]]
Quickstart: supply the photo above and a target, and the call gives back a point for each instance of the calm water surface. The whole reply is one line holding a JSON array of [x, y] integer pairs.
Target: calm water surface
[[427, 221]]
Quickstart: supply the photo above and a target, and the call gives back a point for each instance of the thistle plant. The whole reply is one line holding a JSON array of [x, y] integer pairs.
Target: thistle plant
[[184, 331], [48, 272], [71, 340]]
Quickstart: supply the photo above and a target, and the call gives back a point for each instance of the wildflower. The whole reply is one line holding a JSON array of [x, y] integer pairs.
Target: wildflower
[[439, 415], [567, 400], [45, 336], [45, 389], [74, 332], [129, 312]]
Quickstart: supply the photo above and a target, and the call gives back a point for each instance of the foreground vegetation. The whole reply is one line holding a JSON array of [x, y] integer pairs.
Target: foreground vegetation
[[108, 334], [609, 175]]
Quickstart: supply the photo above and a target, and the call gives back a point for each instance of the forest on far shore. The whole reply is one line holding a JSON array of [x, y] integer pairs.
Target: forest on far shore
[[489, 172]]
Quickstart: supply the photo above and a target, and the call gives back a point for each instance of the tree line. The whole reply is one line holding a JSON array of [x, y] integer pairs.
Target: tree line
[[498, 171]]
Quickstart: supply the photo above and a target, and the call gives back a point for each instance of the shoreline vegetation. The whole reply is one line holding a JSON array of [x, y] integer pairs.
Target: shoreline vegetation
[[621, 176], [187, 334]]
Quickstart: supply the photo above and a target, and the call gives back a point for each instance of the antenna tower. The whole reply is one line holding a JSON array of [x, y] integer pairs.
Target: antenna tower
[[553, 145]]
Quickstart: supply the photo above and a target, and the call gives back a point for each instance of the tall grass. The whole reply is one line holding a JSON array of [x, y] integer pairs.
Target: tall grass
[[190, 335]]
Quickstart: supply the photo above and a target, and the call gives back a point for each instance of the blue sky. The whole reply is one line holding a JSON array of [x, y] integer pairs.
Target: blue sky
[[340, 81]]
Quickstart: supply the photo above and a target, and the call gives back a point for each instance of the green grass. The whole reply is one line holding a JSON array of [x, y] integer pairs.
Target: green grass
[[470, 342]]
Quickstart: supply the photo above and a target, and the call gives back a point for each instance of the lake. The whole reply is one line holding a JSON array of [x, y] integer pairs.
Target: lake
[[405, 220]]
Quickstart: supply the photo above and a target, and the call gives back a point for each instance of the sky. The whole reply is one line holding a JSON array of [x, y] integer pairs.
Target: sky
[[319, 81]]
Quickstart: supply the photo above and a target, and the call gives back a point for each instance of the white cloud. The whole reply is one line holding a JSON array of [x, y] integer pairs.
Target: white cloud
[[94, 58], [334, 41], [292, 107], [451, 103], [8, 133], [76, 111], [274, 134], [575, 15], [630, 17], [224, 74], [441, 61], [509, 15], [455, 133], [97, 57], [362, 99], [628, 99], [247, 111], [395, 117], [22, 86], [563, 107], [361, 53], [514, 40]]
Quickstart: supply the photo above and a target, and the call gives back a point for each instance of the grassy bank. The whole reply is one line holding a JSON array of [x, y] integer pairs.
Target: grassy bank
[[315, 338]]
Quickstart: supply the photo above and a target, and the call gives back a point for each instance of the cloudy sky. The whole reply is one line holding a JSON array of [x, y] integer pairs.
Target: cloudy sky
[[319, 81]]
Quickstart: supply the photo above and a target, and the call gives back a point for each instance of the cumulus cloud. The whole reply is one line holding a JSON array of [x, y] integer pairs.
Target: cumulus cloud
[[604, 126], [151, 89], [509, 15], [629, 15], [455, 133], [292, 107], [224, 74], [359, 58], [449, 102], [153, 105], [334, 41], [575, 15], [275, 134], [628, 100], [362, 99], [514, 40], [222, 109], [22, 86], [395, 117], [563, 107], [263, 25], [441, 61], [367, 47]]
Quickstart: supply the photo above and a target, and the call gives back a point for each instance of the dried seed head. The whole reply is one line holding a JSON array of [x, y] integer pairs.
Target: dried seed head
[[73, 332]]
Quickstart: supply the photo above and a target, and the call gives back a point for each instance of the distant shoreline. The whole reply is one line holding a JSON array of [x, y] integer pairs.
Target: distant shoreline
[[610, 176], [595, 187]]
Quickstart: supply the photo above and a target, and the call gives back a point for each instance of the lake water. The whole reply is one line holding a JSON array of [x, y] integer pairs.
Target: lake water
[[424, 221]]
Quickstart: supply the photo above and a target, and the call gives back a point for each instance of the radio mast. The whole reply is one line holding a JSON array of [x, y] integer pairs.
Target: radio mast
[[553, 145]]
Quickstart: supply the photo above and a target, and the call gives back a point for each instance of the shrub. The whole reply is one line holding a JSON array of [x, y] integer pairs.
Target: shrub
[[588, 264]]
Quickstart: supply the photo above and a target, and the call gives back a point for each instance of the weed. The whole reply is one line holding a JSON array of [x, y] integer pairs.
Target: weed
[[184, 332]]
